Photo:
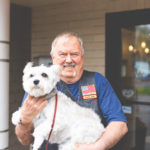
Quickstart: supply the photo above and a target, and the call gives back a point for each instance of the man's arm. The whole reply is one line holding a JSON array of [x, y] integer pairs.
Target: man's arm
[[23, 132], [30, 109], [111, 136]]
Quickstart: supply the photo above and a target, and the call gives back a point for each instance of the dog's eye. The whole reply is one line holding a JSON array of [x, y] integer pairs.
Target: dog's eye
[[31, 75], [44, 75]]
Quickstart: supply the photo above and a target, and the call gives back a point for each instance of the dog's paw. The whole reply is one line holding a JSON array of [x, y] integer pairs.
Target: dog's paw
[[16, 117], [34, 148], [37, 143], [42, 130]]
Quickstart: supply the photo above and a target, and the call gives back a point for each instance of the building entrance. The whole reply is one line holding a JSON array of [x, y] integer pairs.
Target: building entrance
[[128, 70]]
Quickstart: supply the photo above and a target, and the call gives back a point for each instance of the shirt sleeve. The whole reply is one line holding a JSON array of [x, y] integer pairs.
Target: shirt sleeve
[[24, 98], [109, 103]]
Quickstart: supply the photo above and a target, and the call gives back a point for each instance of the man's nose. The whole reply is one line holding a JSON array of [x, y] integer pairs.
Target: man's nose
[[68, 58]]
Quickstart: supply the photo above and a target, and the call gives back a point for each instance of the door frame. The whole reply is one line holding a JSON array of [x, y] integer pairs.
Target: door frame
[[113, 54]]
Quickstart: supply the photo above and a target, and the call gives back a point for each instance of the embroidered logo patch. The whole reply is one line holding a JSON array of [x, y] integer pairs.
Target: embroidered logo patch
[[88, 92]]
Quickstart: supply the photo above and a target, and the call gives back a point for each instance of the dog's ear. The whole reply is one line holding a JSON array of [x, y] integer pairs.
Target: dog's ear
[[55, 68], [27, 67]]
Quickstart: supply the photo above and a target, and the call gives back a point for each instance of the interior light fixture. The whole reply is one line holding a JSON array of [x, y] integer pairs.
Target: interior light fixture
[[143, 44], [130, 48], [146, 50]]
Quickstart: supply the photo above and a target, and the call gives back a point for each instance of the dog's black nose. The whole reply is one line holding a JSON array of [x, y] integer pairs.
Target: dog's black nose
[[36, 82]]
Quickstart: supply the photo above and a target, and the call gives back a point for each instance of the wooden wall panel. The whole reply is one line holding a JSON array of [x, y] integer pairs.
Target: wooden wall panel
[[87, 18], [146, 3], [140, 4]]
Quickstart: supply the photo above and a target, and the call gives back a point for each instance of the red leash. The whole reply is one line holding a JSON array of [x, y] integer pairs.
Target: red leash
[[54, 116]]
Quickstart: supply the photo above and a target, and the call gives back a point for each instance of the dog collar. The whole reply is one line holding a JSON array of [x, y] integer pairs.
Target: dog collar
[[51, 94]]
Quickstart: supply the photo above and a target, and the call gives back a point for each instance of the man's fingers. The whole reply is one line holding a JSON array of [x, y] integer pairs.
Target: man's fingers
[[29, 96], [42, 105], [41, 101], [34, 105], [34, 101]]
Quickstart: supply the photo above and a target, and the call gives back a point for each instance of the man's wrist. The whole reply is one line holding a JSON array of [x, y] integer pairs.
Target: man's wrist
[[26, 126], [20, 122], [24, 133], [24, 121]]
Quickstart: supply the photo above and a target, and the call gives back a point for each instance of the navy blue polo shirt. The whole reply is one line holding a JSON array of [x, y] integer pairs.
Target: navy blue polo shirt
[[109, 103]]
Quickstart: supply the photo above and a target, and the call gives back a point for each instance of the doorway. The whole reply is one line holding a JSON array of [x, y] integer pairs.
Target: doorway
[[20, 49], [128, 70]]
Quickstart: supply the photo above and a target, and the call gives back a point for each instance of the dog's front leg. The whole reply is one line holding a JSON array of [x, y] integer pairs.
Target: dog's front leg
[[40, 133], [37, 143]]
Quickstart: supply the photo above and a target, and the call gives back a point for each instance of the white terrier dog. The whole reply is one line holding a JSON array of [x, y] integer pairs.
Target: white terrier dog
[[73, 123]]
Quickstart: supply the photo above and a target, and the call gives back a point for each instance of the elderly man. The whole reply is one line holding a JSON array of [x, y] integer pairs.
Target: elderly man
[[68, 52]]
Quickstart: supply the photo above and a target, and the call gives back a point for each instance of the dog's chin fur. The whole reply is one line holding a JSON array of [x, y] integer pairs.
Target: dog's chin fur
[[37, 92], [74, 124]]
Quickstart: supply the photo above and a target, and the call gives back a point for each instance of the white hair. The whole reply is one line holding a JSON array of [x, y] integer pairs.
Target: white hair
[[66, 35]]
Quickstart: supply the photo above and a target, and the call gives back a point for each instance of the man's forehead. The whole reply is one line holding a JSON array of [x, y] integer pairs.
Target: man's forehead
[[68, 51], [68, 44]]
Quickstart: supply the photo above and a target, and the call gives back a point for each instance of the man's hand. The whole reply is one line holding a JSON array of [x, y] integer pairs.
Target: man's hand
[[31, 108], [112, 134]]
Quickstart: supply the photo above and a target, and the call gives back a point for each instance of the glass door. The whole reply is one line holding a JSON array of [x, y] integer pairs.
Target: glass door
[[128, 70], [135, 83]]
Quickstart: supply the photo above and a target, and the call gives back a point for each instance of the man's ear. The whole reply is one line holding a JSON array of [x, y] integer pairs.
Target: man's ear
[[52, 56], [27, 67]]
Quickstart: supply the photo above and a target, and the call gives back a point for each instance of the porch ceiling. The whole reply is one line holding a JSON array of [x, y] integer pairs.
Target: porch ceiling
[[35, 3]]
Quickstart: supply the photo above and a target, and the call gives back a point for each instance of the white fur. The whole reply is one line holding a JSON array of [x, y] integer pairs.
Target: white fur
[[73, 124]]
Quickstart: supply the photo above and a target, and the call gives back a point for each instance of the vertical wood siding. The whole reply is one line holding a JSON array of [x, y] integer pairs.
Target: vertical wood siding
[[86, 17]]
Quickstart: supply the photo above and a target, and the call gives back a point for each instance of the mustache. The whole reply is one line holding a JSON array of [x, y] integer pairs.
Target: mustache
[[69, 65]]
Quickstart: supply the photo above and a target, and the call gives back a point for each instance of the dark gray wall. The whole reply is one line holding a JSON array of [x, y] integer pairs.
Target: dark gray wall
[[20, 47]]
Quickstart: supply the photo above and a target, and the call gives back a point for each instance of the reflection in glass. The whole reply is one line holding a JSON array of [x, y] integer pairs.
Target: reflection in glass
[[136, 60], [135, 84]]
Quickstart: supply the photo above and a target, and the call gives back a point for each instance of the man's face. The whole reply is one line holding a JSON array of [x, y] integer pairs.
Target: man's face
[[68, 55]]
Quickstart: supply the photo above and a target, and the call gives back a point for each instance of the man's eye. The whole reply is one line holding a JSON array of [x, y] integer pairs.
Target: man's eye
[[44, 75], [74, 54]]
